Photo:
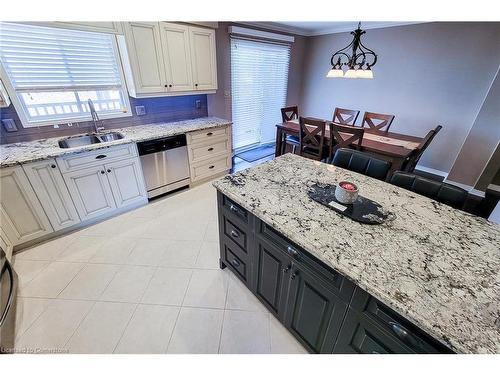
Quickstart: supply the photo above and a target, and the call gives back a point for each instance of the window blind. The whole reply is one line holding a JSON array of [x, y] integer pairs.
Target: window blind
[[259, 78], [55, 71]]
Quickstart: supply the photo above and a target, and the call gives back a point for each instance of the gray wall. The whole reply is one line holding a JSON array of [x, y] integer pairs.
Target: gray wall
[[427, 74], [219, 104], [481, 141]]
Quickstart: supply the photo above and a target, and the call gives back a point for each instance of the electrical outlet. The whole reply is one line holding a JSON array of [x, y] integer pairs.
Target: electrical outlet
[[197, 104], [9, 124], [140, 110]]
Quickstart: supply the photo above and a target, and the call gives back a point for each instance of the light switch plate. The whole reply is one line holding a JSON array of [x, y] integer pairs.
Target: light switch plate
[[140, 110], [9, 124]]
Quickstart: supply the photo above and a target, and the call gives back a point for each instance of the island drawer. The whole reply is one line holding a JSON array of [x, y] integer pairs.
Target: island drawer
[[88, 159], [394, 325], [235, 260], [235, 233], [339, 284], [234, 209]]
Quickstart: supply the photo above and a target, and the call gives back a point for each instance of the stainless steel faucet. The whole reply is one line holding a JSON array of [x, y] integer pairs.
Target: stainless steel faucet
[[95, 117]]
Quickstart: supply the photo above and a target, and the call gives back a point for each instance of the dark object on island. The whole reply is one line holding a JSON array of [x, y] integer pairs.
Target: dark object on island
[[361, 162], [440, 191], [363, 210]]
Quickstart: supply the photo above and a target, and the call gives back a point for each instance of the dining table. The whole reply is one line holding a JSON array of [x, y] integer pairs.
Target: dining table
[[391, 146]]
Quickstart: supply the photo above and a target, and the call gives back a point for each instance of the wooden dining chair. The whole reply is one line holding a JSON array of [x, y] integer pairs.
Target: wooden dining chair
[[288, 114], [377, 121], [412, 160], [344, 136], [345, 116], [312, 138]]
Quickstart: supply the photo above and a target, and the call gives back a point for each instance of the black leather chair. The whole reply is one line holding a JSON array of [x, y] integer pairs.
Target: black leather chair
[[360, 162], [440, 191]]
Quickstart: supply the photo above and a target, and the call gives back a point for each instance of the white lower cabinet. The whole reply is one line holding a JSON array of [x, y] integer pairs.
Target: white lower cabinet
[[91, 191], [22, 216], [127, 181], [48, 183]]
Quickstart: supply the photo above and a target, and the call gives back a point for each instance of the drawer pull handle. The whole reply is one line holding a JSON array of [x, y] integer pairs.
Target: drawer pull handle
[[292, 252], [100, 156], [235, 234], [294, 275], [211, 167], [403, 334], [210, 149], [52, 166], [233, 208], [235, 262], [209, 134], [287, 268]]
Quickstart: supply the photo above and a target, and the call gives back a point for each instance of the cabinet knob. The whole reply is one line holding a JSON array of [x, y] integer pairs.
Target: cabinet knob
[[209, 134], [52, 166], [287, 268], [294, 275], [235, 262], [166, 85], [233, 208], [169, 85], [196, 85], [235, 234], [210, 149], [100, 156], [292, 252], [211, 167], [102, 172], [109, 170]]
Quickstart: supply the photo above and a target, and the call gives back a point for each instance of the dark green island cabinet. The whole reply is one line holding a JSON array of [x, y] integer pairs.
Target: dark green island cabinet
[[325, 311]]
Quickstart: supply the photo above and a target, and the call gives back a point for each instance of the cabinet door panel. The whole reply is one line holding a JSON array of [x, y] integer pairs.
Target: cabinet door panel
[[126, 180], [22, 217], [314, 314], [176, 56], [50, 188], [203, 58], [90, 191], [270, 285], [144, 49]]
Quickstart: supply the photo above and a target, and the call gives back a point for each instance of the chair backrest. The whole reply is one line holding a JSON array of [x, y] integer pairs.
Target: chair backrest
[[439, 191], [414, 157], [361, 162], [377, 121], [344, 136], [312, 137], [289, 113], [345, 116]]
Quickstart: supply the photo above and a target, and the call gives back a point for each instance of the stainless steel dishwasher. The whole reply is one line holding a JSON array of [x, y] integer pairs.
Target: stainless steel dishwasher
[[164, 164]]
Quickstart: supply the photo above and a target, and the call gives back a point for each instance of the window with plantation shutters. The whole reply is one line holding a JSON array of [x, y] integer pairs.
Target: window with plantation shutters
[[259, 77], [53, 72]]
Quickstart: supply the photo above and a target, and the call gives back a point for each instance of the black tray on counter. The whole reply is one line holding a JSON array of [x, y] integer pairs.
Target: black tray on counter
[[363, 210]]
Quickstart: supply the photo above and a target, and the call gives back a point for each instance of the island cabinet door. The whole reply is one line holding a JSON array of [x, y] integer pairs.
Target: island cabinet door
[[360, 335], [313, 313], [272, 267]]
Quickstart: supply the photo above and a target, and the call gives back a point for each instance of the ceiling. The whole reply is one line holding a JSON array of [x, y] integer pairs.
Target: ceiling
[[321, 27]]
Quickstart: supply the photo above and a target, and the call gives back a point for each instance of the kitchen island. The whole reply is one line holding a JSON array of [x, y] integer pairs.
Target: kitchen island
[[424, 282]]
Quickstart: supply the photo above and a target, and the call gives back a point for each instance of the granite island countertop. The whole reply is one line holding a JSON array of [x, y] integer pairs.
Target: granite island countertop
[[436, 266], [25, 152]]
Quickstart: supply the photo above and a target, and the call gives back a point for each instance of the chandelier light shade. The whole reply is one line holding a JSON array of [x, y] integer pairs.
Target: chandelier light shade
[[358, 63]]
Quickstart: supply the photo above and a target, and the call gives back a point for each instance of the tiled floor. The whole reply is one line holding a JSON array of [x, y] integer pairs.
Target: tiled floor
[[145, 282]]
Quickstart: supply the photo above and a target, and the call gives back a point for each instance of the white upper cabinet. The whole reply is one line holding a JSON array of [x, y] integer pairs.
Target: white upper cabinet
[[203, 58], [48, 183], [165, 58], [147, 70], [177, 56], [22, 217]]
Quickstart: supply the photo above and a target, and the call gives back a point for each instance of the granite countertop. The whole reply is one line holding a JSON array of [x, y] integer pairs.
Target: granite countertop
[[25, 152], [437, 266]]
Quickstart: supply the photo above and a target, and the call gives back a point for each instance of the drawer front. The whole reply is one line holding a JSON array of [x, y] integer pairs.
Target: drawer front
[[339, 284], [206, 134], [200, 171], [359, 335], [394, 325], [234, 210], [235, 234], [91, 158], [206, 151], [237, 263]]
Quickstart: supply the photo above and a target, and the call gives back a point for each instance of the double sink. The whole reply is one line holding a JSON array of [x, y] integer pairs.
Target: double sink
[[89, 139]]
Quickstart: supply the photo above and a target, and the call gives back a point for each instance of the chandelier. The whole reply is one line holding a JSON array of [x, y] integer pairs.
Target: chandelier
[[359, 63]]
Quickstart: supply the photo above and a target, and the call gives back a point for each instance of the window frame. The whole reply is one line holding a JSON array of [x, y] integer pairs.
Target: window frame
[[21, 110]]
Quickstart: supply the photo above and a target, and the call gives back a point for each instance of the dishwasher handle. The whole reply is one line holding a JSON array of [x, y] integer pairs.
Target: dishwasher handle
[[162, 144]]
